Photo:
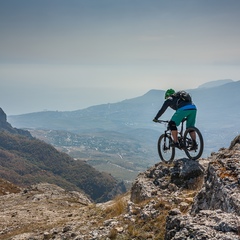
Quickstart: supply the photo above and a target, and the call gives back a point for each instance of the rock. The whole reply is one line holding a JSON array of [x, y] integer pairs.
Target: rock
[[214, 225], [5, 126], [3, 117], [215, 213], [234, 142], [221, 189], [186, 173], [183, 200], [183, 174]]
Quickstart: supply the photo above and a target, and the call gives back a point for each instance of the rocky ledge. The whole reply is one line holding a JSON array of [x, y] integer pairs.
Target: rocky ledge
[[187, 199], [5, 126], [204, 195]]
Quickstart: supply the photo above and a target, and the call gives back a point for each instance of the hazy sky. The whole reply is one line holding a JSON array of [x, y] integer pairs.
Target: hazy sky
[[71, 54]]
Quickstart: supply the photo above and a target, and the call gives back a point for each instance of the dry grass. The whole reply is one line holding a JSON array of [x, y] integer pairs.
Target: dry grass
[[117, 207], [7, 187], [139, 229], [113, 233], [150, 228]]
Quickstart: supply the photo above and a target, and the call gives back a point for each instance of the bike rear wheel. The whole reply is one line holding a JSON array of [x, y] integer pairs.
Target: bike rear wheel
[[193, 154], [165, 151]]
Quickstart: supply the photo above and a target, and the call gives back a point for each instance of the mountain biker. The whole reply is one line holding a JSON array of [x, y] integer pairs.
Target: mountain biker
[[184, 109]]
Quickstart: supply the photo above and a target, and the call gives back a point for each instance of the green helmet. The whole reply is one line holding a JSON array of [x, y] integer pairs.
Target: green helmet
[[169, 92]]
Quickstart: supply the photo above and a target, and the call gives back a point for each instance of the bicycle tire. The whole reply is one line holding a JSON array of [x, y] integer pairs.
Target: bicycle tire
[[193, 154], [165, 151]]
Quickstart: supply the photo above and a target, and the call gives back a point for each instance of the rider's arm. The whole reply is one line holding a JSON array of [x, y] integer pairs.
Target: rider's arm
[[164, 107]]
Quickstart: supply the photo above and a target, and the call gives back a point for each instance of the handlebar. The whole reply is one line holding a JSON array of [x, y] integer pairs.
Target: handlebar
[[167, 121], [162, 121]]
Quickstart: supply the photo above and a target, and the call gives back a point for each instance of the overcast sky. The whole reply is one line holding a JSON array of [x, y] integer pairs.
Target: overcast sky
[[71, 54]]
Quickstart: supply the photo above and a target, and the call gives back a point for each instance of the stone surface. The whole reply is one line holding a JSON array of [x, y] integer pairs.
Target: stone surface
[[5, 126], [207, 224], [213, 210], [215, 213], [163, 180], [200, 200]]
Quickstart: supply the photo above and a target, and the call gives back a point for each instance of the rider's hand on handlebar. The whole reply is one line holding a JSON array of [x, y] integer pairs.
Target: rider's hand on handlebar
[[155, 120]]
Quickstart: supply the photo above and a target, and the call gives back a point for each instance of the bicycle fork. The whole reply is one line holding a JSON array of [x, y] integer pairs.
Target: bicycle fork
[[167, 141]]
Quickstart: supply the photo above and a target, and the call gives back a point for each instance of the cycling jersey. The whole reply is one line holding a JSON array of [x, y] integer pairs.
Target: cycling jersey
[[175, 103]]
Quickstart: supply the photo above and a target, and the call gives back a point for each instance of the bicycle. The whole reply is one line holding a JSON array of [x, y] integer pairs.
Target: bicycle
[[166, 149]]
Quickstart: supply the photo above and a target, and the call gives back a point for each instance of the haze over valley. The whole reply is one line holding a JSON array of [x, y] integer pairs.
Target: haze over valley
[[121, 138]]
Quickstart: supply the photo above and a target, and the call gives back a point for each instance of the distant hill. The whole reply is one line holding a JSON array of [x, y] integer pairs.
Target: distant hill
[[215, 83], [25, 161], [217, 108], [131, 113], [126, 127]]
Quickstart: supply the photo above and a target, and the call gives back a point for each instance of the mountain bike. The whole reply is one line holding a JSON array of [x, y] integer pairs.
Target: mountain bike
[[166, 148]]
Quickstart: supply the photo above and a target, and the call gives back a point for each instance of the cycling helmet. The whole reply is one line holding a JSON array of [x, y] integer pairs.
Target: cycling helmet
[[169, 92]]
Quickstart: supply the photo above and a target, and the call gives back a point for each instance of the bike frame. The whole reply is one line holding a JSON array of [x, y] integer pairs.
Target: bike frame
[[167, 132], [185, 141]]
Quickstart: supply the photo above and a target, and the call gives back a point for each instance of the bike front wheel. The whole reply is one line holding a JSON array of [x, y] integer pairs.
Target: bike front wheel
[[165, 151], [193, 153]]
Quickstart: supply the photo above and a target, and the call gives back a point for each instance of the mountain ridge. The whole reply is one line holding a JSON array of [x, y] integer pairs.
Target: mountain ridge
[[215, 83], [132, 119], [216, 103], [25, 160]]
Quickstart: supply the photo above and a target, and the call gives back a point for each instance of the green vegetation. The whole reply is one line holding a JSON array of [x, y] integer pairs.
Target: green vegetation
[[26, 161], [107, 151]]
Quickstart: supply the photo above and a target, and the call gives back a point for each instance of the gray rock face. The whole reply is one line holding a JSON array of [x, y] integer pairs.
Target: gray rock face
[[214, 212], [5, 126], [163, 179], [222, 184], [207, 224]]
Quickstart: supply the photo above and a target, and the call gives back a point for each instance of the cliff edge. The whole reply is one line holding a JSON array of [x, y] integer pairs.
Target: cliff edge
[[5, 126], [204, 195]]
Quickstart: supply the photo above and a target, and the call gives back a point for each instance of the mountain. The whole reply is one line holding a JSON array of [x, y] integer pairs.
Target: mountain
[[120, 137], [4, 125], [134, 113], [183, 200], [215, 83], [25, 160]]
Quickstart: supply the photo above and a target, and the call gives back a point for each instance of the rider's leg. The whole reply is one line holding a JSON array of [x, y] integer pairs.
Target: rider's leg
[[174, 132], [191, 119], [193, 135], [175, 121], [175, 135]]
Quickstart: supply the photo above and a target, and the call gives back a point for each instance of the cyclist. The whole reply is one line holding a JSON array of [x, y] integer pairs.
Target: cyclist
[[184, 108]]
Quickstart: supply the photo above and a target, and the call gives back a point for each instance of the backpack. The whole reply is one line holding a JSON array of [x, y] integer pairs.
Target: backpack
[[184, 96]]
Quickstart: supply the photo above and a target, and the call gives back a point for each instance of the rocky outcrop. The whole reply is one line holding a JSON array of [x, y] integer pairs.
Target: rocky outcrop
[[207, 224], [5, 126], [214, 210], [187, 199], [164, 180], [221, 189], [215, 213]]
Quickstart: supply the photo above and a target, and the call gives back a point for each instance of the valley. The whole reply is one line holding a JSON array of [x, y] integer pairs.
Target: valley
[[121, 139]]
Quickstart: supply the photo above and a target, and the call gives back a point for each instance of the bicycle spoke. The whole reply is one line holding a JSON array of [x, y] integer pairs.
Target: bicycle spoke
[[165, 150], [193, 151]]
